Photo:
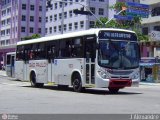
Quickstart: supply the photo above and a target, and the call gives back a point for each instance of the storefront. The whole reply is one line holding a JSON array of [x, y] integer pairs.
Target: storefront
[[150, 69]]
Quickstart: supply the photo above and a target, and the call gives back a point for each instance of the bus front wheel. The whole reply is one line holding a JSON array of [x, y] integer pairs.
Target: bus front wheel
[[33, 81], [77, 83]]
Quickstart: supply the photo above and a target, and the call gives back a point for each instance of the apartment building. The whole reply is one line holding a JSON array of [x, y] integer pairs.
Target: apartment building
[[151, 27], [18, 19], [60, 17], [71, 21]]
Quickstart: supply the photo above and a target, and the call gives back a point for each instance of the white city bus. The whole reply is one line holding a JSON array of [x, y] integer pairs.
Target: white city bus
[[101, 58]]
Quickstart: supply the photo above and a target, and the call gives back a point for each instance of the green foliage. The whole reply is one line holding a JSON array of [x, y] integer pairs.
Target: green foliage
[[124, 24], [34, 36]]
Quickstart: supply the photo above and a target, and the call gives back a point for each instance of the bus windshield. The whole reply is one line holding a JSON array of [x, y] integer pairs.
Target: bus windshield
[[118, 54]]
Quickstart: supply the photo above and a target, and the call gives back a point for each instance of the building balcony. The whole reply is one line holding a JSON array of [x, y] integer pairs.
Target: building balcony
[[155, 19]]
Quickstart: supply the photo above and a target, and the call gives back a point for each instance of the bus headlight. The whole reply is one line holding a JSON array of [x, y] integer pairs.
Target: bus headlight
[[103, 74], [135, 76]]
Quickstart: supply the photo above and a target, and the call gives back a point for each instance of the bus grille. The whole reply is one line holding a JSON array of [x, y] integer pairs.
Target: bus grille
[[120, 83]]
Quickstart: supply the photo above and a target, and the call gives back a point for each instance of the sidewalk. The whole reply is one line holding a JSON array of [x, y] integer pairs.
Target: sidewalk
[[3, 73]]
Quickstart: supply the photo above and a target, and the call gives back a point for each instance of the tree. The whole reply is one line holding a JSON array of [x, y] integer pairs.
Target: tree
[[123, 24], [34, 36]]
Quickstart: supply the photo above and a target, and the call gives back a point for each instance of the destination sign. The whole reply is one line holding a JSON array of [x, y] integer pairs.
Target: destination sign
[[117, 35]]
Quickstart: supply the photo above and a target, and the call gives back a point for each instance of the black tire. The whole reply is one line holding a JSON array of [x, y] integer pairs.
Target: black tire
[[77, 83], [33, 81], [113, 90]]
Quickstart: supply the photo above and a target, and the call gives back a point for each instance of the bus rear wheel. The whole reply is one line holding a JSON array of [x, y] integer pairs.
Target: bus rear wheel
[[77, 83], [33, 81], [113, 90]]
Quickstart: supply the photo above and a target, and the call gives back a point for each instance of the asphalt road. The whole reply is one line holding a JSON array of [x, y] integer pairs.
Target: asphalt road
[[19, 98]]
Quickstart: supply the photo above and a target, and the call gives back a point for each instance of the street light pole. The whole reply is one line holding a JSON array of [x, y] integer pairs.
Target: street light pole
[[123, 9]]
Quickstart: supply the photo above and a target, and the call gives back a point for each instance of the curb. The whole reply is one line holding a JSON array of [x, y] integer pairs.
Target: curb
[[149, 84]]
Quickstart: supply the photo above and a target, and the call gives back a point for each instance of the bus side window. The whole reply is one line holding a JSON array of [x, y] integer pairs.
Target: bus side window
[[20, 53], [52, 49], [77, 48]]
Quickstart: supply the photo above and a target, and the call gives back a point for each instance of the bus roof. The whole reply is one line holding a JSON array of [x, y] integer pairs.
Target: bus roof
[[69, 35]]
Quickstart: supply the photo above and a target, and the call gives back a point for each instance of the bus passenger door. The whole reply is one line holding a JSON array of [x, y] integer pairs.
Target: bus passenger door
[[90, 55], [52, 49]]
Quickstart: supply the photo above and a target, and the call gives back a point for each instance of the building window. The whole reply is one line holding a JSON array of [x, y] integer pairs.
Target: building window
[[156, 11], [55, 28], [8, 20], [50, 30], [70, 13], [3, 23], [81, 24], [55, 5], [91, 24], [70, 26], [157, 28], [23, 18], [31, 18], [46, 19], [65, 27], [39, 30], [60, 16], [51, 7], [8, 10], [51, 18], [23, 29], [46, 30], [93, 10], [145, 30], [60, 4], [76, 25], [8, 31], [23, 6], [101, 11], [60, 28], [65, 15], [55, 17], [3, 33], [65, 3], [40, 8], [40, 19], [32, 7], [31, 29]]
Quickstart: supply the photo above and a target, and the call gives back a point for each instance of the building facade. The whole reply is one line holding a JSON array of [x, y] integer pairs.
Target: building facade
[[151, 27], [18, 19], [71, 21], [60, 17], [150, 50]]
